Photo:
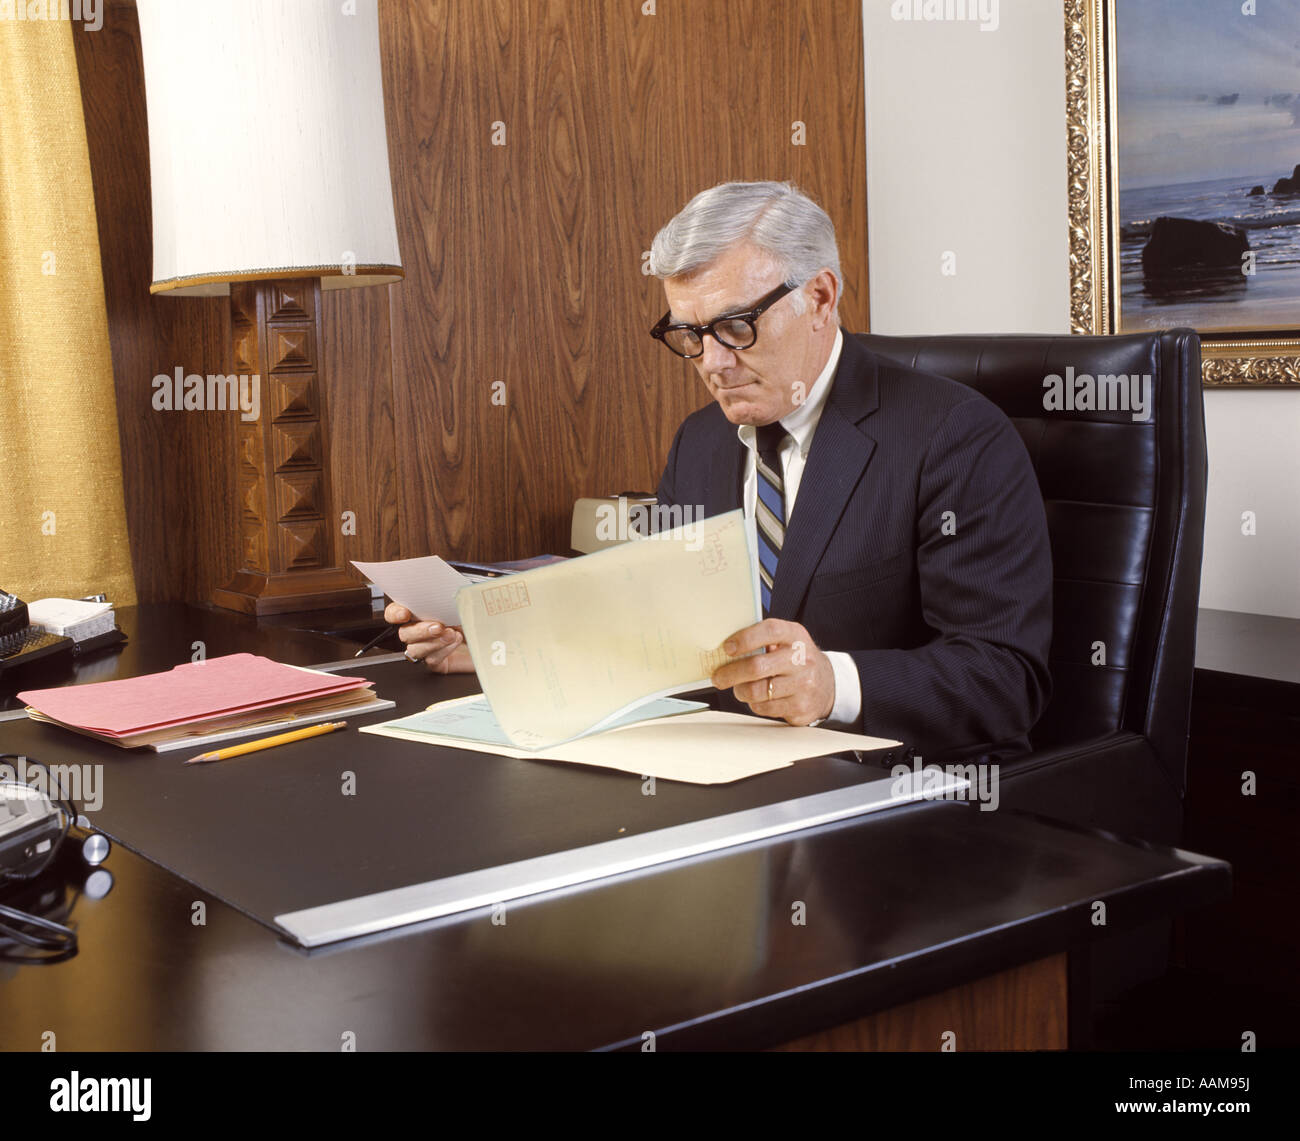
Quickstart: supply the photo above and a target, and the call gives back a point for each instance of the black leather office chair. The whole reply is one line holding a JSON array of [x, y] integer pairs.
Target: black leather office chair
[[1126, 513], [1125, 506]]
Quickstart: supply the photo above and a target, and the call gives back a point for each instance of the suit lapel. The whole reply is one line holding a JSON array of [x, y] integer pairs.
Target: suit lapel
[[726, 474], [840, 453]]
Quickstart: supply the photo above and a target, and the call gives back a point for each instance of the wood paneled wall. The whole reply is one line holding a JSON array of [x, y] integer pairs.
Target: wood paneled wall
[[523, 264]]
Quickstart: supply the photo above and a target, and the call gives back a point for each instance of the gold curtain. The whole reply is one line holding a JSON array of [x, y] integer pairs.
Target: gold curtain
[[62, 513]]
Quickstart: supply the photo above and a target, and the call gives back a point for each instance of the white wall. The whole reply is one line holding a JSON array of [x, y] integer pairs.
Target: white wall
[[966, 155], [1254, 443]]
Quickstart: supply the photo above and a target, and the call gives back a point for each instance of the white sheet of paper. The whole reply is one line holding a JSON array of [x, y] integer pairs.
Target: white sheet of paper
[[707, 747], [567, 647], [426, 587]]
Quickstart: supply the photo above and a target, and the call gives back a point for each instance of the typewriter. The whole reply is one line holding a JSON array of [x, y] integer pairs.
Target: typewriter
[[20, 642]]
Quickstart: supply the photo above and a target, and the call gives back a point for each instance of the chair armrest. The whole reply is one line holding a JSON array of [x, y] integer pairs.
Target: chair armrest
[[1114, 782]]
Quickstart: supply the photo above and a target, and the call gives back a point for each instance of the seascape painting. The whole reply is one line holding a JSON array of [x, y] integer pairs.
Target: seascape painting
[[1208, 164]]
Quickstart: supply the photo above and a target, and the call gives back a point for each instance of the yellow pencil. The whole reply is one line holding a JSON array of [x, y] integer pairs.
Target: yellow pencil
[[267, 742]]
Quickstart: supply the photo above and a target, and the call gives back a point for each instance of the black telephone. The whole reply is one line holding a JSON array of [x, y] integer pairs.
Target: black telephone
[[20, 642]]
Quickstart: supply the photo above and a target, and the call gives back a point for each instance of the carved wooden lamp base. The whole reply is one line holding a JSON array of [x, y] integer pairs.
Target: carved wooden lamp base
[[258, 594], [287, 524]]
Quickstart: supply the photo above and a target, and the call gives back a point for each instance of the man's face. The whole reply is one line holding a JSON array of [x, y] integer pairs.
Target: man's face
[[765, 382]]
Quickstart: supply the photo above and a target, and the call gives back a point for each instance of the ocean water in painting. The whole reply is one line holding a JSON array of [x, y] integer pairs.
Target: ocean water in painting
[[1203, 297], [1208, 160]]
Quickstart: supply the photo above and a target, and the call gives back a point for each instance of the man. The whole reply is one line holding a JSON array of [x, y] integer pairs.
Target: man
[[905, 567]]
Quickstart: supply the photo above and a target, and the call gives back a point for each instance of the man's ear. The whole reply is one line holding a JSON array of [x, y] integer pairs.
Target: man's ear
[[823, 291]]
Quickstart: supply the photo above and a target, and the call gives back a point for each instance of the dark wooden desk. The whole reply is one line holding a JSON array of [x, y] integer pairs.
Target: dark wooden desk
[[917, 921], [1246, 719]]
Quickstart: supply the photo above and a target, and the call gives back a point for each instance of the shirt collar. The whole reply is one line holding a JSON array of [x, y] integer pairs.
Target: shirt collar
[[801, 423]]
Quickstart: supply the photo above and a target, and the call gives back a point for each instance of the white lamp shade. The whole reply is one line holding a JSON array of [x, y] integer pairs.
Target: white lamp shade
[[267, 143]]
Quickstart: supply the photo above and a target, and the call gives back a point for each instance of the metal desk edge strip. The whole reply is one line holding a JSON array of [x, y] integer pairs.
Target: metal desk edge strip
[[366, 914]]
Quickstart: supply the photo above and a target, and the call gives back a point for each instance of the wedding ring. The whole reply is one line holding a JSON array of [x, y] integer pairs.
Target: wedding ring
[[769, 689]]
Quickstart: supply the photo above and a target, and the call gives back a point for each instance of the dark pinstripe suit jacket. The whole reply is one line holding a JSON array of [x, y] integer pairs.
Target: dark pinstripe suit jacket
[[947, 616]]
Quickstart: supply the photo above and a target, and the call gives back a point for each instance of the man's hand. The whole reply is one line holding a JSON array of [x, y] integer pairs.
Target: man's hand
[[794, 680], [441, 648]]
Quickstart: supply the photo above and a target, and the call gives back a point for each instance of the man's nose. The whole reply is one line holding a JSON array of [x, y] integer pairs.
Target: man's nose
[[716, 355]]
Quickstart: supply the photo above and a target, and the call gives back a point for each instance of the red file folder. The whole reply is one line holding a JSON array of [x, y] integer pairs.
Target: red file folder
[[196, 698]]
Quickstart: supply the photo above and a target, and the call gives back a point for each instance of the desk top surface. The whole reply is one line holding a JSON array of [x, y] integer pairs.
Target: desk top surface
[[1248, 645], [748, 947]]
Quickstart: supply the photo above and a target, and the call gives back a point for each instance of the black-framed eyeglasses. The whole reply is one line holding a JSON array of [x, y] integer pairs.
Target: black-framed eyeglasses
[[734, 331]]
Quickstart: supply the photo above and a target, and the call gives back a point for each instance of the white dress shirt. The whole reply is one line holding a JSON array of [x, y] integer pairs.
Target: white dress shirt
[[801, 425]]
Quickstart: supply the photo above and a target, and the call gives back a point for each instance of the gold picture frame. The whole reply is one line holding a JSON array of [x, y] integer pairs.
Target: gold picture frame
[[1090, 109]]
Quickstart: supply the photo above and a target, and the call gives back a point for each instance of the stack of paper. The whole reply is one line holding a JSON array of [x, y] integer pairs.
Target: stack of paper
[[568, 649], [71, 618], [471, 719], [577, 660], [668, 739], [217, 699]]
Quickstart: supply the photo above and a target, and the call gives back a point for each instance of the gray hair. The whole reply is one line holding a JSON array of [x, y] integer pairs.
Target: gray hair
[[777, 217]]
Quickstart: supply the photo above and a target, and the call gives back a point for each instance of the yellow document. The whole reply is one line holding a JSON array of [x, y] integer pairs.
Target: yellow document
[[565, 649]]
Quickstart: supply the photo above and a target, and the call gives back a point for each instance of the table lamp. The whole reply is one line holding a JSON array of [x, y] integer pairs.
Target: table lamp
[[269, 168]]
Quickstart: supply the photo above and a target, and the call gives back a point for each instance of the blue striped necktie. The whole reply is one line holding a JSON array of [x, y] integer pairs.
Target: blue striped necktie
[[769, 508]]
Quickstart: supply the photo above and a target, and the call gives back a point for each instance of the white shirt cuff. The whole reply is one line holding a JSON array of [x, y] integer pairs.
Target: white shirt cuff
[[848, 689]]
